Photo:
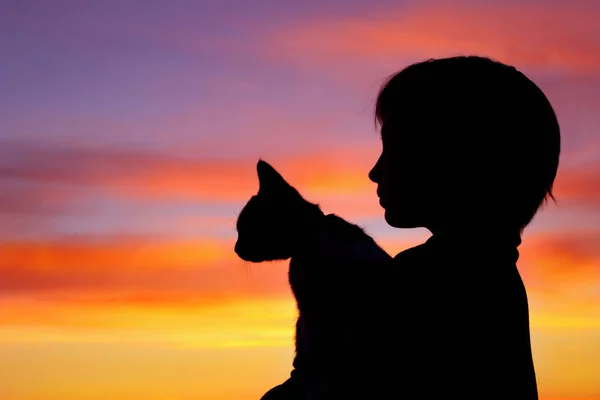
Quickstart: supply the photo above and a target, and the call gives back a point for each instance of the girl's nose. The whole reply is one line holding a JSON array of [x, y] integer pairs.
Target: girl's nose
[[375, 173]]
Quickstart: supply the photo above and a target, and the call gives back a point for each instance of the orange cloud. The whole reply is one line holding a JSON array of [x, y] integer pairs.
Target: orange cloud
[[578, 187], [322, 173], [575, 251], [41, 169], [123, 253], [540, 35], [142, 271], [129, 271], [563, 269]]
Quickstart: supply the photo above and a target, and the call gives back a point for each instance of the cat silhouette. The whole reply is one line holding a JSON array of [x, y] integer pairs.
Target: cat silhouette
[[332, 263]]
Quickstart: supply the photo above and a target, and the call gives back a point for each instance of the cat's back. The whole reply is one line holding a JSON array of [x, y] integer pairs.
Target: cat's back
[[338, 264], [349, 241]]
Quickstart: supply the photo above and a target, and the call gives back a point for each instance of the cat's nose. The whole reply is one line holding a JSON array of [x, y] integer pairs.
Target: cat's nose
[[236, 248]]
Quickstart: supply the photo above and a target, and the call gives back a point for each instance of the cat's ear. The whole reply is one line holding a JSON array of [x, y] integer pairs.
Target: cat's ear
[[268, 178]]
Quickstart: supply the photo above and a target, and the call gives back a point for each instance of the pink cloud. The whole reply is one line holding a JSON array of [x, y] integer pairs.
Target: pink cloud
[[539, 35], [578, 187]]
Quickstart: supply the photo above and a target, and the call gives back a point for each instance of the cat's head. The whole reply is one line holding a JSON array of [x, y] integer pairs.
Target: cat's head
[[274, 221]]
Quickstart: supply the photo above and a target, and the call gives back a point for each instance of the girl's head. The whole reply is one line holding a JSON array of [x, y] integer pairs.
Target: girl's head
[[467, 141]]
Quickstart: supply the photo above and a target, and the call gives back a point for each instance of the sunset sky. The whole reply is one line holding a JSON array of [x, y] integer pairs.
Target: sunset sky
[[129, 135]]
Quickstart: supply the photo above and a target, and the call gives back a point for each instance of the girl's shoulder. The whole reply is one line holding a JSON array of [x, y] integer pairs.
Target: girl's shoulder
[[419, 253]]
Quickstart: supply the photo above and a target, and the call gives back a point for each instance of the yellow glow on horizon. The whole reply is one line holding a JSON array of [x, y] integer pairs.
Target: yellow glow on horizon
[[104, 338], [244, 323]]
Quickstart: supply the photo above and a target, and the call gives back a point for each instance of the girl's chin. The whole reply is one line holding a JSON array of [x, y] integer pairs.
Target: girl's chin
[[400, 220], [389, 217]]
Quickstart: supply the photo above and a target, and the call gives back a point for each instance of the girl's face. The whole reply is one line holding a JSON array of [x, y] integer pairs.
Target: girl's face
[[404, 184]]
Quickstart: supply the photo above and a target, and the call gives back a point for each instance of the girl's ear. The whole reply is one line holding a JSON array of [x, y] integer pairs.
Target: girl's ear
[[269, 179]]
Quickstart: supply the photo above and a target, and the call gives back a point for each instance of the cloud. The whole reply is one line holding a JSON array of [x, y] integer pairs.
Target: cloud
[[580, 247], [578, 187], [41, 179], [154, 272], [148, 271], [49, 163], [58, 170], [135, 268], [18, 197], [563, 266], [557, 36]]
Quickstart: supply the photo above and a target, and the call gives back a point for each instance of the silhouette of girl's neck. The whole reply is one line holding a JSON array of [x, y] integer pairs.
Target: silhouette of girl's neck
[[478, 240]]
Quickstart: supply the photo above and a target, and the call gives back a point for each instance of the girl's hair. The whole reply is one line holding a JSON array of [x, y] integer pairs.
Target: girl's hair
[[474, 116]]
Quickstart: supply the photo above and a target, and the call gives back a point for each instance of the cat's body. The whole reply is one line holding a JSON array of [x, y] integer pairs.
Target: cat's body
[[331, 265]]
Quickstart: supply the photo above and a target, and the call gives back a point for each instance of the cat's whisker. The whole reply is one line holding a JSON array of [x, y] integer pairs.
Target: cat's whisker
[[247, 265], [249, 270]]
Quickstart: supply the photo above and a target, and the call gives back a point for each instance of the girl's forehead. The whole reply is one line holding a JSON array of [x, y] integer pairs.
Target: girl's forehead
[[403, 133]]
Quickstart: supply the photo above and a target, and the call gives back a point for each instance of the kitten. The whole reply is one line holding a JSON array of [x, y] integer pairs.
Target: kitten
[[331, 263]]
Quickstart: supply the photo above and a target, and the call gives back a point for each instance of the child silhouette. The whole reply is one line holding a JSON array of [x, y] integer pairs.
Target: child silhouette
[[470, 152]]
